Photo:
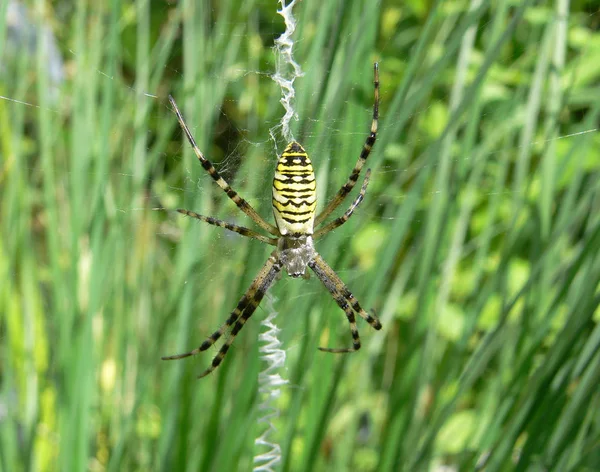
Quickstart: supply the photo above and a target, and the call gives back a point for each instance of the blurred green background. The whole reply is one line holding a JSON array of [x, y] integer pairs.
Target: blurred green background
[[478, 243]]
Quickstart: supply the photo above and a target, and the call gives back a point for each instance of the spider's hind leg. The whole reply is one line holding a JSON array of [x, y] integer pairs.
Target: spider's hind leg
[[208, 166], [364, 154]]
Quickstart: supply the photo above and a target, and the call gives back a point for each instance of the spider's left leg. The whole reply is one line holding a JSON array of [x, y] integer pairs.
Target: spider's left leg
[[346, 216], [261, 284], [364, 154], [333, 283], [343, 304]]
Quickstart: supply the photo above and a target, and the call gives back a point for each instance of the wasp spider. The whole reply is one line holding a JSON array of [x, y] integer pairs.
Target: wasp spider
[[294, 202]]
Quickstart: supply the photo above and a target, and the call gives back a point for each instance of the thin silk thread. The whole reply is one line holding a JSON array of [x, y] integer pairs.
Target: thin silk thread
[[269, 380]]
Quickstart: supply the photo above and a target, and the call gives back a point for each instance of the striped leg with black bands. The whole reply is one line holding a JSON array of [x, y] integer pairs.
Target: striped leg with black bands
[[232, 194], [213, 338], [366, 150], [333, 282], [249, 301], [263, 284], [370, 318], [346, 216], [231, 227], [343, 304]]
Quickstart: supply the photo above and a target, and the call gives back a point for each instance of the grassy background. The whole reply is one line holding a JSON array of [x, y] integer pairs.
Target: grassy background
[[478, 243]]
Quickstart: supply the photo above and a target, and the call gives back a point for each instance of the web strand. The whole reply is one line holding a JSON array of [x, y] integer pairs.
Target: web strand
[[287, 70]]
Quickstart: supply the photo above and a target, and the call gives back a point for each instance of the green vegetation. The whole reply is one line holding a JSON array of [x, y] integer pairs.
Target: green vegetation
[[478, 243]]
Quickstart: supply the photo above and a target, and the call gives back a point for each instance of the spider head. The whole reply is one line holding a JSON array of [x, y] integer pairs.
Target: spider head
[[295, 252]]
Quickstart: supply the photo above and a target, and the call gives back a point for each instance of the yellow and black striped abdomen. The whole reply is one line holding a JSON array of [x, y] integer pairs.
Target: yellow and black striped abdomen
[[294, 192]]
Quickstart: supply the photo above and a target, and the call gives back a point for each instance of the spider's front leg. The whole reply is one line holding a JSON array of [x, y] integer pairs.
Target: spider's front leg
[[344, 299], [343, 304], [242, 312]]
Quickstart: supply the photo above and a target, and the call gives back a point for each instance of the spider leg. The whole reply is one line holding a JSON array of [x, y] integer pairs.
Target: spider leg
[[244, 309], [239, 201], [346, 216], [213, 338], [263, 281], [333, 283], [343, 304], [366, 150], [231, 227]]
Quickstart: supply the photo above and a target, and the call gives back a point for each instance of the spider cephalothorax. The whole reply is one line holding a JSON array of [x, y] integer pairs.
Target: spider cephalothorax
[[294, 204], [295, 253]]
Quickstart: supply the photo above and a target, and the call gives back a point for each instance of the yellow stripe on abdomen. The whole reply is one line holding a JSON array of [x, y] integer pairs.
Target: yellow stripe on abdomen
[[294, 192]]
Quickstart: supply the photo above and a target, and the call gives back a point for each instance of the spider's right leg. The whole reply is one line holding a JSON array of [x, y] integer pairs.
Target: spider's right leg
[[244, 309], [231, 227], [239, 201], [213, 338], [264, 280]]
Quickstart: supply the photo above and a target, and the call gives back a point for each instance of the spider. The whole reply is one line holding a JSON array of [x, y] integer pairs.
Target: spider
[[294, 203]]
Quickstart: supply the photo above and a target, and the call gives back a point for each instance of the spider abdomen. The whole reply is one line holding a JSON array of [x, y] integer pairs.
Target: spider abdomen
[[294, 192]]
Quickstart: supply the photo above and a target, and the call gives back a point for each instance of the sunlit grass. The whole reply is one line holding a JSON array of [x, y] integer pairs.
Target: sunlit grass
[[477, 243]]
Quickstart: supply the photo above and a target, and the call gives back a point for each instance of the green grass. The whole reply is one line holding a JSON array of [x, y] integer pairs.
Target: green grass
[[478, 242]]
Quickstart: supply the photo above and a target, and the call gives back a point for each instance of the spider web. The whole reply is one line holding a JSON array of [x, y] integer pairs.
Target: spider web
[[23, 38], [287, 70], [22, 32]]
